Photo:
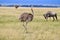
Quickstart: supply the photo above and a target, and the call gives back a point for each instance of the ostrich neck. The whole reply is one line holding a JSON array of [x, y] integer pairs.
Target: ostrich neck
[[32, 11]]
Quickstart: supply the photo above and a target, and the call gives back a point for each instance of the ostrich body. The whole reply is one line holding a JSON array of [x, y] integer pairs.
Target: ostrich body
[[26, 17]]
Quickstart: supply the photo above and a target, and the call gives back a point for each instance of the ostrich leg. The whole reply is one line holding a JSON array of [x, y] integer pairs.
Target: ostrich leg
[[25, 26]]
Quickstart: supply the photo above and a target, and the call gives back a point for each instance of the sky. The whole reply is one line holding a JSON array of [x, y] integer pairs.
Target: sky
[[30, 2]]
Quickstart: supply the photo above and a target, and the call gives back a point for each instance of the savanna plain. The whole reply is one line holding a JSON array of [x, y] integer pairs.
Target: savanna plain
[[39, 29]]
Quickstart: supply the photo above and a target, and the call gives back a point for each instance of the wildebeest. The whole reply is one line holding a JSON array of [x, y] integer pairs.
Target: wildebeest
[[26, 17], [50, 14]]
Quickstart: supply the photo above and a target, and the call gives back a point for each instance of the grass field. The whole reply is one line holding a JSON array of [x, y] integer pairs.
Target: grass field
[[39, 29]]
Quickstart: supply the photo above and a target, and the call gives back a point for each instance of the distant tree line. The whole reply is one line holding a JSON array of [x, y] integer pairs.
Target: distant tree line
[[28, 6]]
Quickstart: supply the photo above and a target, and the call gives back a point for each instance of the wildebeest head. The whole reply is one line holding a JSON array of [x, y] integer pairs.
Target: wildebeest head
[[45, 16], [48, 14]]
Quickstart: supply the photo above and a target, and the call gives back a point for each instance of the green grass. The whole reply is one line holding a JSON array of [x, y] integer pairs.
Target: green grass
[[39, 29]]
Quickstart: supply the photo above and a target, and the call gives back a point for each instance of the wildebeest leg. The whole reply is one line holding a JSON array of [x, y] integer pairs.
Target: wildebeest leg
[[25, 27], [46, 18], [53, 18], [50, 17], [56, 17]]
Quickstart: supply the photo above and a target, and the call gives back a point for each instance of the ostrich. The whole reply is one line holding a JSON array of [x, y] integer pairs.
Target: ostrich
[[16, 6], [26, 17], [50, 14]]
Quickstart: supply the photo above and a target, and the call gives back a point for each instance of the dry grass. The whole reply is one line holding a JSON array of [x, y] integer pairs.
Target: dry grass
[[39, 29]]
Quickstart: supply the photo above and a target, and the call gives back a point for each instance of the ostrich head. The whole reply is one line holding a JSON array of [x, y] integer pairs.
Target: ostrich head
[[32, 11]]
